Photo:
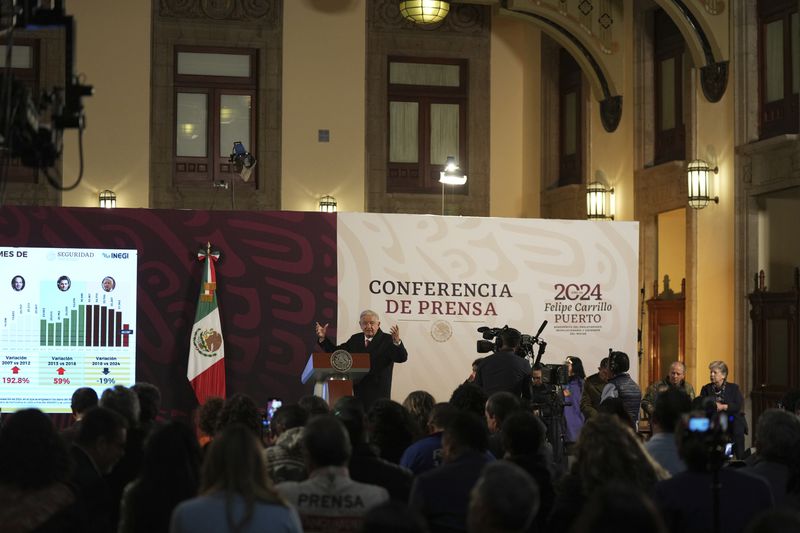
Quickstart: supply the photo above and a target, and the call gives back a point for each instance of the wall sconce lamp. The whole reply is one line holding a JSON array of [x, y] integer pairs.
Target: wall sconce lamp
[[108, 199], [327, 204], [599, 202], [697, 172], [424, 11]]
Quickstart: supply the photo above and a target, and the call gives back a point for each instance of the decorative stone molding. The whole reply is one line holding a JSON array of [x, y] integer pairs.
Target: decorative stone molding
[[261, 11]]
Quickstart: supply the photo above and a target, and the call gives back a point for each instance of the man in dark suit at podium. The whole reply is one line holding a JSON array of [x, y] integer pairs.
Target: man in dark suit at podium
[[384, 351]]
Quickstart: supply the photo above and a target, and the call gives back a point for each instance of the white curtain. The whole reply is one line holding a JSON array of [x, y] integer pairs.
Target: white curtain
[[403, 132], [444, 132], [773, 45], [234, 122], [191, 127]]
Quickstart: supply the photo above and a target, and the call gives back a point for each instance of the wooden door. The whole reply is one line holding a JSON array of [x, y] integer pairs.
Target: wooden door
[[667, 344], [774, 318]]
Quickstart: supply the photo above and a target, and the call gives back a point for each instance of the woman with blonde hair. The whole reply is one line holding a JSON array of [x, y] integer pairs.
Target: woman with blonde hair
[[419, 405], [236, 495], [607, 451]]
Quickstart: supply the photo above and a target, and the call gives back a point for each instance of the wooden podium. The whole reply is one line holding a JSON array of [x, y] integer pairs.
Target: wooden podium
[[332, 378]]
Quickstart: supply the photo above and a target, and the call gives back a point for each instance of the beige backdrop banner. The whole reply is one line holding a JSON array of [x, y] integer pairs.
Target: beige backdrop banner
[[441, 278]]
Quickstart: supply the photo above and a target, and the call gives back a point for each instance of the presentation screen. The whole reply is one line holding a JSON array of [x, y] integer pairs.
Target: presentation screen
[[67, 320]]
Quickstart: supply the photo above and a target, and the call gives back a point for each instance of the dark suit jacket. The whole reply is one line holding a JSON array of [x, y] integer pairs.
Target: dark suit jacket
[[733, 397], [504, 371], [94, 497], [686, 500], [442, 495], [383, 354]]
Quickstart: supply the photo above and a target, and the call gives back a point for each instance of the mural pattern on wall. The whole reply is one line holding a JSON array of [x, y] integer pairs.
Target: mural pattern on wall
[[276, 277]]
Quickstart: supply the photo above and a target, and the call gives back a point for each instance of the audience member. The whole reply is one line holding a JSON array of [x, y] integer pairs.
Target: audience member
[[593, 390], [675, 380], [776, 521], [99, 446], [441, 495], [240, 409], [83, 399], [791, 401], [471, 377], [426, 453], [419, 404], [670, 406], [149, 405], [499, 406], [34, 475], [169, 475], [619, 508], [284, 458], [207, 419], [469, 397], [125, 402], [314, 405], [620, 385], [235, 492], [390, 429], [504, 500], [778, 455], [525, 445], [687, 500], [607, 451], [329, 501], [393, 517], [365, 466]]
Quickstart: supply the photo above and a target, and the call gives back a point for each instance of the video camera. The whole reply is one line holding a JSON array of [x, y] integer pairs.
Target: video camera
[[493, 340], [31, 125], [711, 432]]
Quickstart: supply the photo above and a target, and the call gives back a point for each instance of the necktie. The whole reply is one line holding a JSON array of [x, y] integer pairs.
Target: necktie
[[366, 342]]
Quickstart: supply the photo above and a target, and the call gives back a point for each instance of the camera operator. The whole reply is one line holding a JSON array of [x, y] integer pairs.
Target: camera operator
[[505, 370], [548, 405], [708, 497]]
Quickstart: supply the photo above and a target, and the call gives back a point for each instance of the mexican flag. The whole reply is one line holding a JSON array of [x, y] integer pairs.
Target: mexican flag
[[206, 370]]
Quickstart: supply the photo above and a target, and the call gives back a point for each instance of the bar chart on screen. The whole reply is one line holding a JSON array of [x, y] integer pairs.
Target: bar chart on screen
[[67, 320]]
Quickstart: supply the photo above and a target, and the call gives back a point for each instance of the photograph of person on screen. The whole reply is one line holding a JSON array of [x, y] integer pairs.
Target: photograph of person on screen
[[64, 283], [17, 283], [109, 284]]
